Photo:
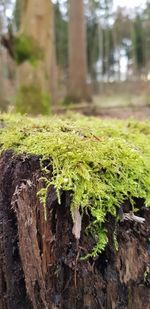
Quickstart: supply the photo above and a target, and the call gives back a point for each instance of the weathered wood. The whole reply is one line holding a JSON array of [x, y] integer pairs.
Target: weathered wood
[[40, 265]]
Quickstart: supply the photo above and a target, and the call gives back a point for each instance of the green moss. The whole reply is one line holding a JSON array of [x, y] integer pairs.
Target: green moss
[[101, 162], [32, 100], [27, 49], [67, 101]]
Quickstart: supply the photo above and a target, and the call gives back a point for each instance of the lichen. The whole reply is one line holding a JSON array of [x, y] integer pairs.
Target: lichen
[[101, 163]]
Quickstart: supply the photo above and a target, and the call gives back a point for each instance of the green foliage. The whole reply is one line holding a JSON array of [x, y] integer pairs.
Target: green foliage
[[101, 162], [26, 49], [32, 100]]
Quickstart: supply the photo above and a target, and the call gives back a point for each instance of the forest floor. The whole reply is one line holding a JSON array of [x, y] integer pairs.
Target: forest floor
[[141, 112], [112, 105], [123, 106]]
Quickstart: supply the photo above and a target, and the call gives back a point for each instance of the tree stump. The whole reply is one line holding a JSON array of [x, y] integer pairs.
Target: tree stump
[[40, 260]]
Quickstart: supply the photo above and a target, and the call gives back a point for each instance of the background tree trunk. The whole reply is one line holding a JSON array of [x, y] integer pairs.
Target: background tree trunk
[[37, 24], [77, 52]]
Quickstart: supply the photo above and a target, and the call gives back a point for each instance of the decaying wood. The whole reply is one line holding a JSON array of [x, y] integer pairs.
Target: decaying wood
[[40, 262], [77, 223], [130, 216], [31, 260]]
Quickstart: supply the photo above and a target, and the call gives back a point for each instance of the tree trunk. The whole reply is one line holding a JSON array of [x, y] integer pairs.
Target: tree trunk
[[78, 89], [2, 92], [35, 80], [40, 264]]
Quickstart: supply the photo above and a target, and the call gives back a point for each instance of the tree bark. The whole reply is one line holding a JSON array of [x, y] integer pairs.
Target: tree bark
[[78, 89], [40, 261]]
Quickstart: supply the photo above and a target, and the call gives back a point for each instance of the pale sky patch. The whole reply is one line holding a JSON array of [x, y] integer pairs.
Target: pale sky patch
[[129, 3]]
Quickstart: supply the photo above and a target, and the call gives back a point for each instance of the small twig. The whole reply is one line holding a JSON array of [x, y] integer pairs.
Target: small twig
[[82, 248], [97, 138]]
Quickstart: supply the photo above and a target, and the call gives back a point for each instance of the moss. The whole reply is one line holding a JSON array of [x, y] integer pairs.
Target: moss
[[32, 100], [66, 101], [101, 162], [27, 49]]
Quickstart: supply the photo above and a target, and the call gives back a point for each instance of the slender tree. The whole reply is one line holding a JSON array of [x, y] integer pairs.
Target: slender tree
[[146, 37], [138, 44], [77, 52]]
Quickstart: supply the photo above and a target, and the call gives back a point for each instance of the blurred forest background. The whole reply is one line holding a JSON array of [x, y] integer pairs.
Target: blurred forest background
[[76, 54]]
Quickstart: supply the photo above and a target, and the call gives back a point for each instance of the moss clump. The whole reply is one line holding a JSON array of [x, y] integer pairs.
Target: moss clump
[[101, 162], [32, 100], [27, 49]]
